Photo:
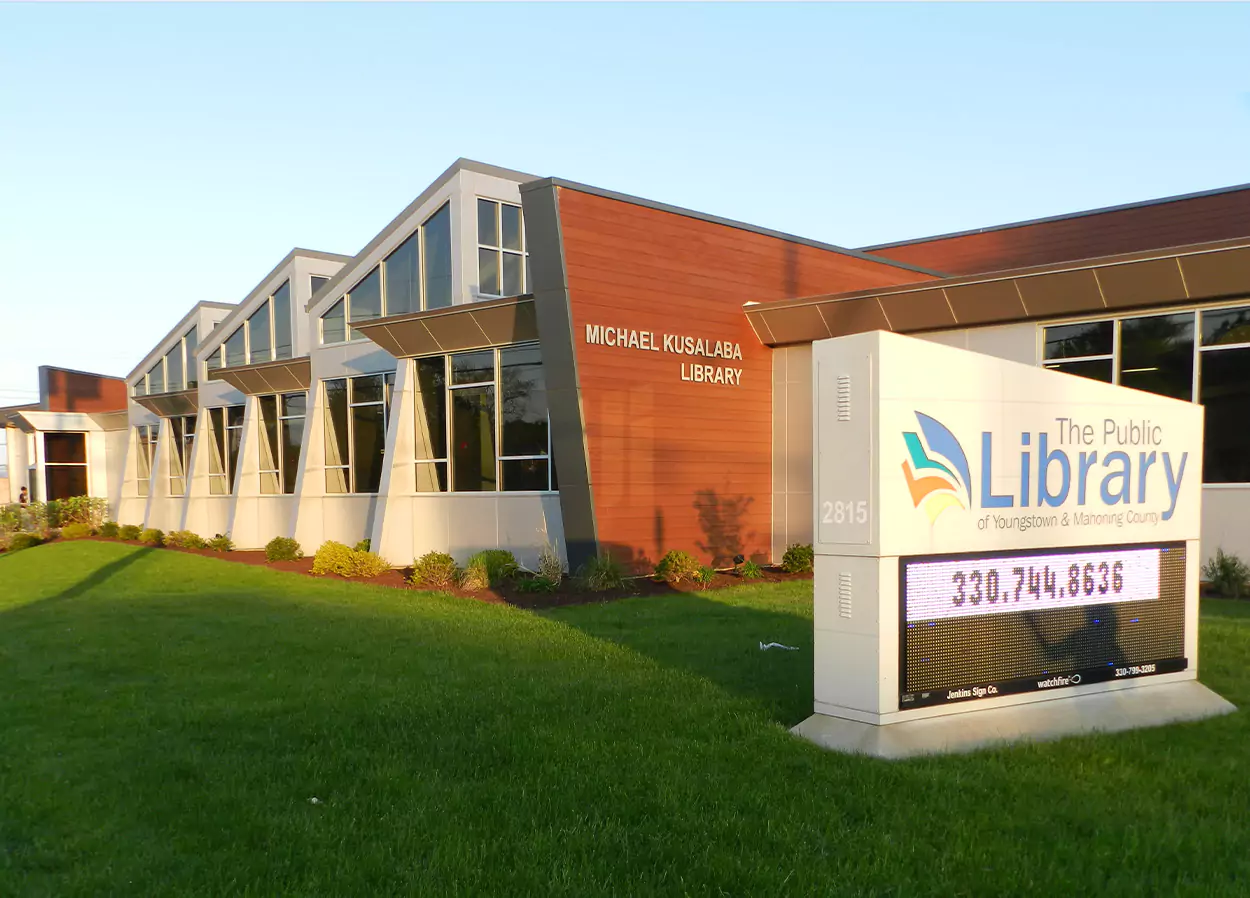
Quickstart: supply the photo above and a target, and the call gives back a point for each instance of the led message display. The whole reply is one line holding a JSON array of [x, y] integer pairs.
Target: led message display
[[980, 625]]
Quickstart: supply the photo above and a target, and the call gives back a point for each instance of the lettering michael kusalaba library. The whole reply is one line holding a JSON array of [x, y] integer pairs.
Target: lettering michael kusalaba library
[[677, 344]]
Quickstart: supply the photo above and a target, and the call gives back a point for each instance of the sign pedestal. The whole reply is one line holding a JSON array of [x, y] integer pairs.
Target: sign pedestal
[[1003, 552]]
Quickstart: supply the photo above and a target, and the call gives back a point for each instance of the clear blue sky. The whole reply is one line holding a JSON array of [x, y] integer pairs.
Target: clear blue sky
[[156, 155]]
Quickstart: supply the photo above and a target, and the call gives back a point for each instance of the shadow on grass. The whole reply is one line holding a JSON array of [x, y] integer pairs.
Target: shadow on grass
[[97, 577], [717, 641]]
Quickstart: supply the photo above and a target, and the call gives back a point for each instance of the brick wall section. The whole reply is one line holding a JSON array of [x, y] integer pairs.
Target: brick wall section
[[1220, 216], [75, 391], [677, 464]]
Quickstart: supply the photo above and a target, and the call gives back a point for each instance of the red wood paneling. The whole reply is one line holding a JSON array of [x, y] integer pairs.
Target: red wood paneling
[[1220, 216], [678, 464], [75, 391]]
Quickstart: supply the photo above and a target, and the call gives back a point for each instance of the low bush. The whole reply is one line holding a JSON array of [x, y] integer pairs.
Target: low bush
[[704, 576], [500, 565], [677, 566], [435, 570], [750, 571], [336, 558], [363, 546], [130, 531], [537, 584], [799, 559], [475, 575], [185, 539], [1228, 574], [221, 543], [152, 537], [603, 572], [76, 531], [19, 541], [90, 510], [109, 530], [283, 548], [550, 567]]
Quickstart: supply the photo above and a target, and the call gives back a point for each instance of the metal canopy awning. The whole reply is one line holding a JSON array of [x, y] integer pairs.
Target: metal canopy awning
[[171, 405], [478, 325], [284, 376], [1140, 280]]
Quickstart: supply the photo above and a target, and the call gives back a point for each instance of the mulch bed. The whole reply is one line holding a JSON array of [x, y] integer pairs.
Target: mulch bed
[[568, 594]]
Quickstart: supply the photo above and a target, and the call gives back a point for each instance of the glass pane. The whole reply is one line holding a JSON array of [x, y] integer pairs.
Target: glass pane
[[173, 368], [437, 246], [292, 440], [473, 439], [234, 416], [487, 227], [473, 368], [235, 354], [430, 408], [367, 389], [217, 458], [192, 340], [336, 480], [403, 278], [1157, 355], [488, 271], [510, 219], [365, 300], [333, 327], [368, 443], [268, 406], [65, 448], [524, 474], [65, 481], [316, 283], [336, 423], [432, 477], [234, 436], [282, 347], [1225, 392], [218, 485], [1098, 369], [213, 360], [1226, 326], [1073, 340], [141, 387], [524, 402], [513, 271], [143, 454], [176, 446], [294, 405], [156, 378], [259, 336]]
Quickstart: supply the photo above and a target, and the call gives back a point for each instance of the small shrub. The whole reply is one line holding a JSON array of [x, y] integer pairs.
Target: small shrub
[[1228, 574], [283, 548], [21, 541], [76, 531], [221, 543], [336, 558], [538, 584], [550, 567], [704, 576], [90, 510], [435, 570], [130, 531], [603, 572], [677, 566], [750, 571], [109, 530], [475, 576], [152, 537], [500, 565], [799, 559], [185, 539], [362, 546]]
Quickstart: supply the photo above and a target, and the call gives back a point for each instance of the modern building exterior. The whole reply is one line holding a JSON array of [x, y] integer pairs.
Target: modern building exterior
[[515, 361]]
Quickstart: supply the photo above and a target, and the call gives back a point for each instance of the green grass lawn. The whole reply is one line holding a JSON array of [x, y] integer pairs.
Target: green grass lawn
[[165, 720]]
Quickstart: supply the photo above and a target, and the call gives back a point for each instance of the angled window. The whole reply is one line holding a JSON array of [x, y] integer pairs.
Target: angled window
[[436, 248], [190, 343], [145, 452], [223, 460], [364, 301], [430, 414], [500, 249], [356, 413], [282, 340], [403, 277], [236, 347], [282, 433], [334, 323], [260, 334], [156, 378], [182, 438]]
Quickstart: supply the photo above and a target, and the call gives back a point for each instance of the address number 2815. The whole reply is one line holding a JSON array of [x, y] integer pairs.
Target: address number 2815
[[848, 512]]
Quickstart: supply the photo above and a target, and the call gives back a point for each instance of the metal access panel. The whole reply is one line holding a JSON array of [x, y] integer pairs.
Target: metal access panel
[[844, 420]]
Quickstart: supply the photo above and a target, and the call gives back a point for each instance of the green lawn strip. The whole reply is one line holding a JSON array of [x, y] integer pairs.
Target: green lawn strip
[[167, 717]]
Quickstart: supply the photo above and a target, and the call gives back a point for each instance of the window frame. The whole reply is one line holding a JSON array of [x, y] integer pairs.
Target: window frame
[[387, 403], [146, 436], [279, 456], [499, 249], [85, 464], [228, 475], [181, 443]]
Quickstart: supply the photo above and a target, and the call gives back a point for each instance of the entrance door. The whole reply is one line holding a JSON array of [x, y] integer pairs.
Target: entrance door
[[65, 465]]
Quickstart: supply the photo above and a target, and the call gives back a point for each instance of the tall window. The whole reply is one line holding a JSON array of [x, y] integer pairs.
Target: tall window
[[500, 249], [65, 465], [264, 337], [498, 429], [145, 452], [175, 370], [1162, 354], [223, 459], [282, 434], [182, 437], [416, 274], [356, 411]]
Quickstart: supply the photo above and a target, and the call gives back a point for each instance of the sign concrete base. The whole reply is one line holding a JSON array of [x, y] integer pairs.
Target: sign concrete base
[[1104, 712]]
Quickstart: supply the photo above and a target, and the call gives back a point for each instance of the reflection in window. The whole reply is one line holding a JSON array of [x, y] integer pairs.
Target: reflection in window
[[236, 348], [436, 244], [1157, 354], [356, 412], [156, 378], [473, 438], [501, 249], [226, 425], [1225, 327], [182, 438], [1225, 392], [282, 346], [173, 368], [334, 324], [364, 301], [191, 342], [259, 335], [316, 282], [403, 277], [1094, 369], [1070, 341], [145, 452], [430, 412]]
